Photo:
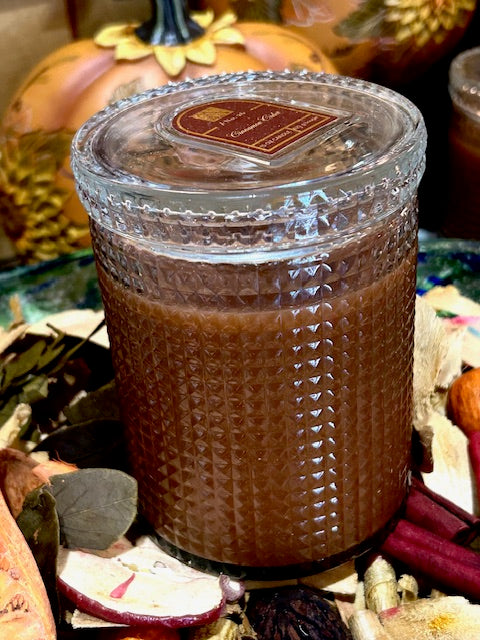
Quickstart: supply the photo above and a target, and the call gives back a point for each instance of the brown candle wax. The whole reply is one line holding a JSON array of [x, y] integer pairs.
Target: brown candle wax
[[258, 273]]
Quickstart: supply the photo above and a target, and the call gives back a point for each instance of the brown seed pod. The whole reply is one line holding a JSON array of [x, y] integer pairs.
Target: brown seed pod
[[293, 612]]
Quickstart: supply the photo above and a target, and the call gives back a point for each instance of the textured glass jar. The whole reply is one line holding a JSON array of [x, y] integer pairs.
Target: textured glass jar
[[260, 309], [462, 218]]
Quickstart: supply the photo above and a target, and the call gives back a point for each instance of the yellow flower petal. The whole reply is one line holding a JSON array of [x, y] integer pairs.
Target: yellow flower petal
[[225, 20], [228, 35], [408, 17], [132, 49], [203, 18], [171, 59], [433, 23], [403, 34], [416, 28], [423, 38], [201, 51], [113, 34], [448, 22], [423, 13]]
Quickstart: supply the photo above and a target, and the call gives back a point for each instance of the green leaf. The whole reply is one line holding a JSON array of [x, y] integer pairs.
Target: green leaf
[[50, 355], [7, 410], [38, 521], [95, 506], [34, 390], [95, 443], [22, 364], [96, 405]]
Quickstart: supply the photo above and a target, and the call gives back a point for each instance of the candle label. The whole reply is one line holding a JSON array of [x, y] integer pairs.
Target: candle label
[[266, 128]]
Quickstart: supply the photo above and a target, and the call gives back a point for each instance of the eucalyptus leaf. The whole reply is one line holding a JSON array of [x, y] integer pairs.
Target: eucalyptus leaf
[[96, 405], [95, 443], [22, 364], [35, 389], [38, 521], [95, 506], [50, 354], [7, 410]]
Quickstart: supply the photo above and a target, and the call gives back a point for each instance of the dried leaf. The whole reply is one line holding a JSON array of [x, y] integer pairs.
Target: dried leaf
[[15, 425], [95, 506], [38, 521], [34, 390], [21, 365], [8, 409], [47, 373], [8, 337], [96, 405], [95, 443]]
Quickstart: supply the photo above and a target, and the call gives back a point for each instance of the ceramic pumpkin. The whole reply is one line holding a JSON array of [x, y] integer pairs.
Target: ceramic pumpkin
[[39, 209]]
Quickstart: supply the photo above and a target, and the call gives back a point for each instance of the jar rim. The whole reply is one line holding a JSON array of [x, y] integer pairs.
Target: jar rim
[[464, 80], [131, 204]]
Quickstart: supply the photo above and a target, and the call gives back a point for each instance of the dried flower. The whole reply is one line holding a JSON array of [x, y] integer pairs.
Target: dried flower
[[415, 21]]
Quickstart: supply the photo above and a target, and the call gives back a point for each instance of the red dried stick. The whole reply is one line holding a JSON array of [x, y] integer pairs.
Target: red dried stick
[[441, 561], [432, 511]]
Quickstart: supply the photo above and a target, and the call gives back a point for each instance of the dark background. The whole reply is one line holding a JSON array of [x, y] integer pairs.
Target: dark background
[[430, 93]]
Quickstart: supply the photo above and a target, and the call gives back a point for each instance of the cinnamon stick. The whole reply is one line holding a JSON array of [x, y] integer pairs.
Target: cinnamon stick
[[442, 561], [474, 455], [432, 511]]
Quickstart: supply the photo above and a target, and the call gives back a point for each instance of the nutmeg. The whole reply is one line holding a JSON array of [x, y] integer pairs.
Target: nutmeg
[[463, 403]]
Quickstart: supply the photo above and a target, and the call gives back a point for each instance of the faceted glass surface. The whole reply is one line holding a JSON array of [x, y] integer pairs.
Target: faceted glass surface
[[268, 406], [261, 313]]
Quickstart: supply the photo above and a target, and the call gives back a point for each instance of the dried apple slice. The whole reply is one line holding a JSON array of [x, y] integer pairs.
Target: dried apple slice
[[140, 585]]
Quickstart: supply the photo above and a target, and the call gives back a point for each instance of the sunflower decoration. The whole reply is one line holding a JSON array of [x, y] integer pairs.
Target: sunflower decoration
[[410, 34], [172, 45]]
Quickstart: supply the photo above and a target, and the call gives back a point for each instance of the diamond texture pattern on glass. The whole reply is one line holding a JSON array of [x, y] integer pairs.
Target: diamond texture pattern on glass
[[268, 406]]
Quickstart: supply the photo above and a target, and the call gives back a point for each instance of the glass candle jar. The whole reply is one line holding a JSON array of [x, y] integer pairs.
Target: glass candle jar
[[255, 236], [462, 218]]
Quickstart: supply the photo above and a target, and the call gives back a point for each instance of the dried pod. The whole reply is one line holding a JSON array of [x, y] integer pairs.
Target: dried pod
[[380, 586], [293, 612], [408, 588], [359, 600], [365, 625]]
